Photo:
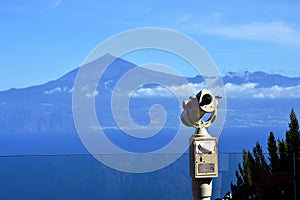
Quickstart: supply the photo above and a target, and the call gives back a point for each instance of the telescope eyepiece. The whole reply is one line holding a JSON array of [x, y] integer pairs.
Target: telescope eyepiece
[[196, 107], [206, 99]]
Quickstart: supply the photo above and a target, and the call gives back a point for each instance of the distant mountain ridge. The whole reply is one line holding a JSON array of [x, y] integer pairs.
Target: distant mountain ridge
[[262, 78], [48, 107]]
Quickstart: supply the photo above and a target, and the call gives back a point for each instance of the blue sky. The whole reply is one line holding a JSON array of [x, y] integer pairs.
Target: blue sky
[[42, 40]]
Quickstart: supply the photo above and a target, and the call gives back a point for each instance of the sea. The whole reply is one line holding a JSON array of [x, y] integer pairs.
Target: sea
[[52, 166]]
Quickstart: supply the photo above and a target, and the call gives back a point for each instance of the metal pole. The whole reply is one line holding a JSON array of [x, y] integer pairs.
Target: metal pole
[[202, 188]]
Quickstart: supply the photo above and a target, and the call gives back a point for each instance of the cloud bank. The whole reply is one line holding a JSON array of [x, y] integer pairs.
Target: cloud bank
[[247, 90]]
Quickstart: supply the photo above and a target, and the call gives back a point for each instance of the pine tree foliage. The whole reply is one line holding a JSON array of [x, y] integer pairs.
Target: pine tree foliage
[[260, 179], [261, 166], [292, 135], [273, 152], [283, 155]]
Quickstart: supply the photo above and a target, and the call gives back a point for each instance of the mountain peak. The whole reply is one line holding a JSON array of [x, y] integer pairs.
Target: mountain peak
[[48, 107]]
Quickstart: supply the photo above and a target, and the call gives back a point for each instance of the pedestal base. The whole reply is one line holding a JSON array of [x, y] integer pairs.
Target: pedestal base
[[202, 188]]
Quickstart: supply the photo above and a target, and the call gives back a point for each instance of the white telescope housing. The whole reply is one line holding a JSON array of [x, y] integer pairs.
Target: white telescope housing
[[203, 147], [194, 109]]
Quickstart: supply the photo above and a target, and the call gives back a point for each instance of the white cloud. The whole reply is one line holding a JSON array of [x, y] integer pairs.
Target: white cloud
[[277, 32], [175, 90], [250, 90], [54, 4], [46, 104], [149, 92], [239, 88], [57, 89], [71, 90], [270, 31], [259, 95], [92, 94], [247, 90]]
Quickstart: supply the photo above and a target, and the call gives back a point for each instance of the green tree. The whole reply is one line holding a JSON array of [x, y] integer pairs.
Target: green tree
[[258, 179], [249, 174], [261, 166], [273, 152], [247, 167], [292, 135], [283, 156]]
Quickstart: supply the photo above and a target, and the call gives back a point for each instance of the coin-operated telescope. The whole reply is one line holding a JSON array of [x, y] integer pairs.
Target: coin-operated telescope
[[203, 147]]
